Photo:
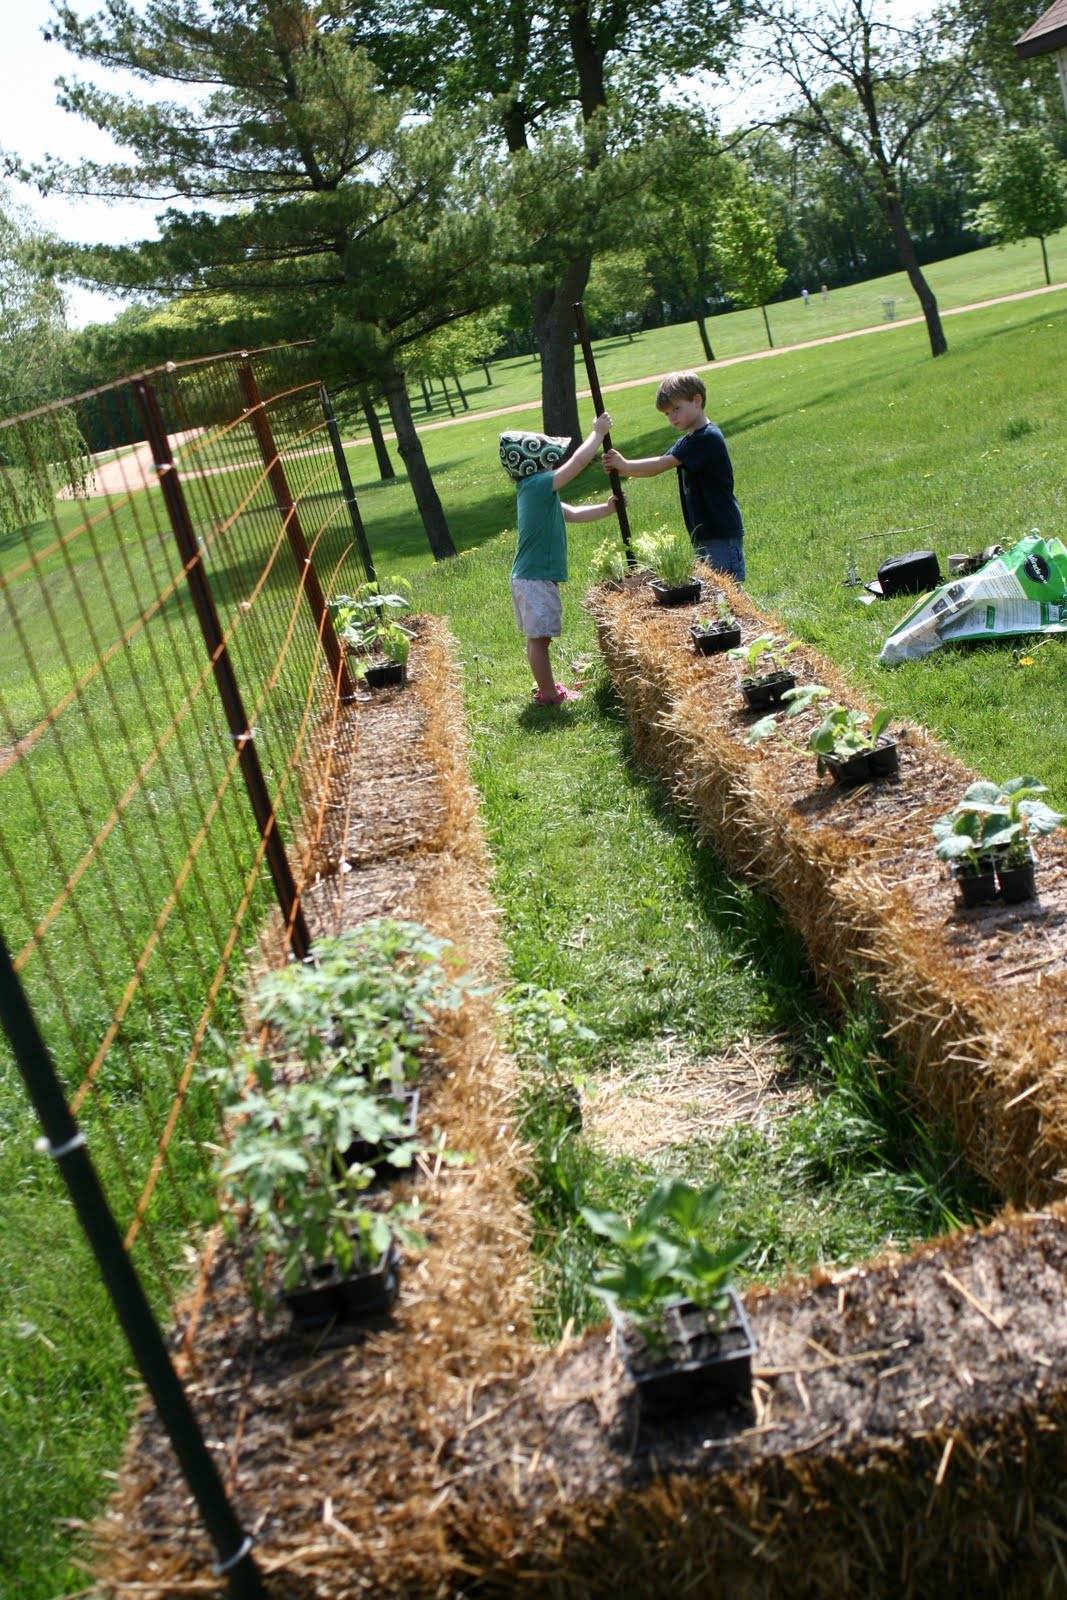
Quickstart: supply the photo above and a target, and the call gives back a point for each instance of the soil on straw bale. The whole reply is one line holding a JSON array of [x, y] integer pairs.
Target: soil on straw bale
[[905, 1435], [976, 997]]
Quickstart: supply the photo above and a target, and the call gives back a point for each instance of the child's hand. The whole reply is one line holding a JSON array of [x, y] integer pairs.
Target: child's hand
[[602, 425], [613, 461]]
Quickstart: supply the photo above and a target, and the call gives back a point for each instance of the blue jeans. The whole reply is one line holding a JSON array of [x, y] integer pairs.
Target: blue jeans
[[725, 555]]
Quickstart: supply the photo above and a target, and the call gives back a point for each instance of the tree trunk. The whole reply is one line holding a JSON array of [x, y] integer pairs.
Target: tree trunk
[[427, 403], [386, 470], [553, 311], [894, 216], [448, 397], [709, 354], [767, 325], [422, 484], [1044, 257], [459, 391], [488, 375]]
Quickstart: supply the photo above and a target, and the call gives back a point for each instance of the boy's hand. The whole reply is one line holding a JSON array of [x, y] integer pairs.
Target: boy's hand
[[613, 461], [602, 425]]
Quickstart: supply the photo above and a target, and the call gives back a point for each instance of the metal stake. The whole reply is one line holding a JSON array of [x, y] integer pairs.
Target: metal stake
[[225, 680], [257, 416], [598, 402], [66, 1144]]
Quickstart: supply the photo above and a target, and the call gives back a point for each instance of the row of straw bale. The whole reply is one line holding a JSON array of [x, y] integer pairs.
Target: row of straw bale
[[975, 1002]]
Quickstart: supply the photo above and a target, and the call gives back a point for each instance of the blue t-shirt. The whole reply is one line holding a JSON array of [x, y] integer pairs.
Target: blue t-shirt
[[542, 548], [706, 485]]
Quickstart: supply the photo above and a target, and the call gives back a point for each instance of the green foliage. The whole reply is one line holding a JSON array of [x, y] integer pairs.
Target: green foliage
[[286, 1173], [364, 1002], [1024, 181], [362, 622], [608, 561], [661, 1254], [765, 654], [995, 818], [844, 732], [668, 551], [745, 249], [796, 701]]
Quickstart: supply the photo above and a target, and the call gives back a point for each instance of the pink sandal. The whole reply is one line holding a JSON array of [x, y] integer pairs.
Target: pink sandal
[[561, 695]]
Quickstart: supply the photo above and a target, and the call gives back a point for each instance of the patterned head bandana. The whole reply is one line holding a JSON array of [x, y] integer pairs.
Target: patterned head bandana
[[523, 454]]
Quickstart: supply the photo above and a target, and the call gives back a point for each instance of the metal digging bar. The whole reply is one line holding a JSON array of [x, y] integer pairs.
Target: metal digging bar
[[598, 402], [66, 1144]]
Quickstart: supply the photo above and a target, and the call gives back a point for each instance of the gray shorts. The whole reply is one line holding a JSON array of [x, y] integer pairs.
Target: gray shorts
[[538, 607]]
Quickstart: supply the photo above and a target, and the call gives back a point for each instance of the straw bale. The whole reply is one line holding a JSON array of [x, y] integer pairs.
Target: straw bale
[[907, 1429], [975, 998]]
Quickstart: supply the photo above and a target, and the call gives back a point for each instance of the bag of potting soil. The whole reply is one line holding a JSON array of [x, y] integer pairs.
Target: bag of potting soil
[[1021, 590]]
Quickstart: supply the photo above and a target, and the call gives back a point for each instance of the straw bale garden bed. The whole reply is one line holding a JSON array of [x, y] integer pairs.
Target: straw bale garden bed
[[906, 1428]]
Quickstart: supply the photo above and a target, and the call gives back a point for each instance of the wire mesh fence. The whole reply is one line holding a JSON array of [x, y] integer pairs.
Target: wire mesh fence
[[172, 701]]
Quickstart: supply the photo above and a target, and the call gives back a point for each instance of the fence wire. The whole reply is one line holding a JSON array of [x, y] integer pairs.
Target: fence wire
[[135, 874]]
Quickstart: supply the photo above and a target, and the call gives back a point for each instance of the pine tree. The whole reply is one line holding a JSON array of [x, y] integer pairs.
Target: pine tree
[[318, 203]]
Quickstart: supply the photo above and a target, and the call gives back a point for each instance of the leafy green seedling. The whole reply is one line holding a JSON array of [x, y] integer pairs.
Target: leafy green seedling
[[766, 652], [999, 819]]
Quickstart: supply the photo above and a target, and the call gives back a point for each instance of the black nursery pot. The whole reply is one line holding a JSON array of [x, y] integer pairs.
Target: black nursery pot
[[1017, 883], [699, 1366], [759, 693], [847, 770], [883, 760], [675, 594], [365, 1292], [387, 675], [976, 888], [720, 636]]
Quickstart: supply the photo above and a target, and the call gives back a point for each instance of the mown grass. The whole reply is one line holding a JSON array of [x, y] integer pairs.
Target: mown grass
[[868, 446], [958, 281]]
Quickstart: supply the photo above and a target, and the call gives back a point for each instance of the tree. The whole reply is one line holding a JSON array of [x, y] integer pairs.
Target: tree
[[744, 248], [329, 212], [682, 215], [34, 362], [573, 73], [867, 88], [618, 291], [1025, 186]]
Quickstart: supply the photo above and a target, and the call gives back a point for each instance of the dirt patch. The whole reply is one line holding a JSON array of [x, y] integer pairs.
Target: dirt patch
[[674, 1098]]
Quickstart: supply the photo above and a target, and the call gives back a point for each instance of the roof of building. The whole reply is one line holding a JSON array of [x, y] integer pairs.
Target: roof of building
[[1049, 32]]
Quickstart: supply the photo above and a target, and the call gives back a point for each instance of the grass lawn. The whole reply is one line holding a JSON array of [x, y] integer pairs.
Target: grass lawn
[[958, 281], [609, 907]]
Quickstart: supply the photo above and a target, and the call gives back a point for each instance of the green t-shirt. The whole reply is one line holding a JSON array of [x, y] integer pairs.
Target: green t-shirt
[[542, 548]]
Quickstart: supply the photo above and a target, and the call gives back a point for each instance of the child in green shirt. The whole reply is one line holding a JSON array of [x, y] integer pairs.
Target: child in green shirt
[[536, 462]]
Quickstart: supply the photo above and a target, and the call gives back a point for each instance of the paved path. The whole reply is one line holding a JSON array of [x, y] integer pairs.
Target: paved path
[[122, 475]]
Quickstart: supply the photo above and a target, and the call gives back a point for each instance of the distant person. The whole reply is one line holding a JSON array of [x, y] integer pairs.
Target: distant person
[[705, 475], [804, 295], [824, 293], [536, 462]]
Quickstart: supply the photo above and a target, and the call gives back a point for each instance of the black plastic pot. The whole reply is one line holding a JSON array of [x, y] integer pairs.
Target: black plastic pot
[[847, 770], [883, 760], [976, 888], [759, 693], [1016, 882], [328, 1297], [699, 1365], [720, 636], [363, 1153], [387, 675], [675, 594]]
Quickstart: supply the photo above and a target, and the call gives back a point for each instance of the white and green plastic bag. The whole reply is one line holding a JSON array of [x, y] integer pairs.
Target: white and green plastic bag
[[1023, 590]]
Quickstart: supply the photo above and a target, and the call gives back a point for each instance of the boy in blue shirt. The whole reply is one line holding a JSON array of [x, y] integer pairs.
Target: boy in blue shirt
[[536, 462], [705, 475]]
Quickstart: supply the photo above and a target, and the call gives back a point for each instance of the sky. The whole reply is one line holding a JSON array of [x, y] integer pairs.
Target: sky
[[32, 126]]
